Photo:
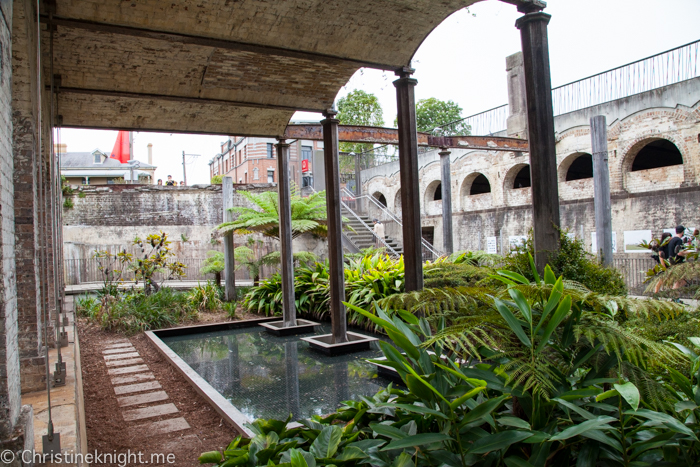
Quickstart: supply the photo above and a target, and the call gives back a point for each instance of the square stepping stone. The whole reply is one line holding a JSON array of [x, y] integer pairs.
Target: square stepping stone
[[139, 387], [135, 378], [117, 344], [162, 427], [119, 350], [129, 369], [124, 362], [149, 412], [122, 355], [142, 398]]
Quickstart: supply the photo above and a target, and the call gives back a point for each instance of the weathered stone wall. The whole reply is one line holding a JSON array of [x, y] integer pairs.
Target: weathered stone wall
[[671, 113], [9, 356], [110, 217]]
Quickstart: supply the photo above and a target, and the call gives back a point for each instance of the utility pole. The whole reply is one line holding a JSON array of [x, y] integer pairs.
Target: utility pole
[[184, 169]]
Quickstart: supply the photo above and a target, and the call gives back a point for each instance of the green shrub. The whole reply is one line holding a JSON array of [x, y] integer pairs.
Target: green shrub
[[81, 195], [136, 312], [574, 263], [217, 179], [206, 297], [230, 309], [445, 274], [677, 329], [68, 203]]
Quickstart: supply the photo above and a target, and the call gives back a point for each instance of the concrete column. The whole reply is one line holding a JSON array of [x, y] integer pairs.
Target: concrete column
[[335, 227], [543, 162], [25, 146], [408, 168], [229, 263], [517, 102], [601, 188], [446, 184], [285, 230]]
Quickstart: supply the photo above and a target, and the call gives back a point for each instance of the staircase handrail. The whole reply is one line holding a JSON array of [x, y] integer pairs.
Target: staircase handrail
[[390, 214], [354, 214]]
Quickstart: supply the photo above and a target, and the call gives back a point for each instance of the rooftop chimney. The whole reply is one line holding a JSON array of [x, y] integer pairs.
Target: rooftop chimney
[[150, 154]]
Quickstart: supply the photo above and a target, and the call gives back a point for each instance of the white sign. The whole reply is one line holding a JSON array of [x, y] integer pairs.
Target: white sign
[[517, 240], [633, 238], [594, 243], [491, 245]]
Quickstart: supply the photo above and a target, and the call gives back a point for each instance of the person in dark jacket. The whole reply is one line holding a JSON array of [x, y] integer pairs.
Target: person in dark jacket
[[675, 246]]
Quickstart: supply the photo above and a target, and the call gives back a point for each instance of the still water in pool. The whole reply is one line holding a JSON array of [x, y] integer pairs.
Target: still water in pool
[[265, 376]]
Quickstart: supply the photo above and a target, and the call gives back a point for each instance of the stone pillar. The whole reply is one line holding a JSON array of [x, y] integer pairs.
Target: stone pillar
[[517, 102], [335, 227], [229, 263], [285, 231], [540, 117], [25, 120], [446, 184], [601, 187], [408, 168]]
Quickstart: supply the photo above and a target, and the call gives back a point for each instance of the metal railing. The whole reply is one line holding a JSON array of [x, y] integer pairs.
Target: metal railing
[[634, 271], [663, 69], [428, 249], [79, 271]]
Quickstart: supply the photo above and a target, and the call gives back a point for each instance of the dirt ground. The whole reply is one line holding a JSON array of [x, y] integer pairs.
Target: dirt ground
[[107, 431]]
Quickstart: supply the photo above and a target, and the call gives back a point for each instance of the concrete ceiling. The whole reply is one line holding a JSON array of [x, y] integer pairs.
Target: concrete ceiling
[[222, 66]]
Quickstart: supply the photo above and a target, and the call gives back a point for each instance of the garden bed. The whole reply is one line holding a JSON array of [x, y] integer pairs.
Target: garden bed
[[108, 432]]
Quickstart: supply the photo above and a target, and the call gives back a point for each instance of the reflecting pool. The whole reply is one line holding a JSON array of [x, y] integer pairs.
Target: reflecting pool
[[265, 376]]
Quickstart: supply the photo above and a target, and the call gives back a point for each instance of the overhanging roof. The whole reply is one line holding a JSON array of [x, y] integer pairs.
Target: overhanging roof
[[221, 66]]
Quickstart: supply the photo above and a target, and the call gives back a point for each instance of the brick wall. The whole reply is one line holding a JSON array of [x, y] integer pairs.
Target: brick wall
[[25, 144], [9, 356]]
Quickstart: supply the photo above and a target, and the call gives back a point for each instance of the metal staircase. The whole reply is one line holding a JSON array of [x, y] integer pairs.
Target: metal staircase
[[362, 235]]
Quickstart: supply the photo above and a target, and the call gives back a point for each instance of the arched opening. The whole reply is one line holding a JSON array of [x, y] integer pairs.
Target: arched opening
[[522, 179], [437, 196], [397, 201], [580, 168], [658, 153], [381, 199], [480, 185]]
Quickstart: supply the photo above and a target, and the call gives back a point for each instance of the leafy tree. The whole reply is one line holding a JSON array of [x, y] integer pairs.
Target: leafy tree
[[358, 108], [217, 179], [308, 215], [159, 259], [432, 114], [214, 264]]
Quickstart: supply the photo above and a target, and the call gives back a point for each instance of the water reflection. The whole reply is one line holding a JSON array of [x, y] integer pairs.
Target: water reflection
[[270, 377]]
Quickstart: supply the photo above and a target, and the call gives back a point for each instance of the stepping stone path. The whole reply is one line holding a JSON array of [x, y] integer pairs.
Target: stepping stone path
[[136, 386]]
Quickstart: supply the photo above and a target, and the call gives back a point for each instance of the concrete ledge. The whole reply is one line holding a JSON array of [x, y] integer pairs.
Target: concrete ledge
[[277, 327], [356, 342]]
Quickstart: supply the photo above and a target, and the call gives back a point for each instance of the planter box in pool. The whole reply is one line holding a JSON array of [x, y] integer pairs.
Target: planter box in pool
[[356, 342], [277, 327]]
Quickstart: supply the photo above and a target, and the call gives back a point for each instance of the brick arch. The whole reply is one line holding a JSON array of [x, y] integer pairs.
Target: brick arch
[[397, 201], [509, 179], [632, 148], [466, 185], [566, 164], [468, 202]]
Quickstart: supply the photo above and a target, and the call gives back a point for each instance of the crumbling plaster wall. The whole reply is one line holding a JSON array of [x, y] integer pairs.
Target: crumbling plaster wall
[[641, 200], [112, 216]]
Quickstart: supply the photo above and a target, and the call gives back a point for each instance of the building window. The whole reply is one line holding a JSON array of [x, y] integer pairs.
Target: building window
[[306, 153], [269, 151], [256, 174], [246, 176], [98, 158], [270, 176]]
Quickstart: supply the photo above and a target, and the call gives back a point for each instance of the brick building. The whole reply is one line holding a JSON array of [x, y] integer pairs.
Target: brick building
[[254, 160]]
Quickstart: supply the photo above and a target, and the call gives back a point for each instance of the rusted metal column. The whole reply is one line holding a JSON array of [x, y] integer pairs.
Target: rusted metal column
[[446, 184], [229, 263], [285, 208], [408, 168], [335, 225], [601, 188], [540, 118]]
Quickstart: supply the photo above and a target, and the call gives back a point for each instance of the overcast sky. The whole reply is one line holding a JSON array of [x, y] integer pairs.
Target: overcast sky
[[464, 60]]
